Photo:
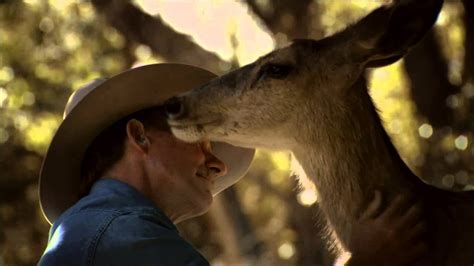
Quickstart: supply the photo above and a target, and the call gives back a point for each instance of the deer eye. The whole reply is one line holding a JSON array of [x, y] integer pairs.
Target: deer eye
[[275, 71]]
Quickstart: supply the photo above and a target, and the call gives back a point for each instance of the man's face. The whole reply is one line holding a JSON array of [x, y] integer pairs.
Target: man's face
[[181, 174]]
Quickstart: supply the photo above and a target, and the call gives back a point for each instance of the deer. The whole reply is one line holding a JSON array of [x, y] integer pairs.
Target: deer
[[311, 98]]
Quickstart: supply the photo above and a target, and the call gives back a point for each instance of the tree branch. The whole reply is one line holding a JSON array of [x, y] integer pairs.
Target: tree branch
[[153, 32], [291, 18]]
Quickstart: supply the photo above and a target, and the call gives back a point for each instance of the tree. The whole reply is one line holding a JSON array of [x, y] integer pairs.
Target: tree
[[47, 50]]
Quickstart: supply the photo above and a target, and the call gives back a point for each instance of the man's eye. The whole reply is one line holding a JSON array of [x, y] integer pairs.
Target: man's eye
[[275, 71]]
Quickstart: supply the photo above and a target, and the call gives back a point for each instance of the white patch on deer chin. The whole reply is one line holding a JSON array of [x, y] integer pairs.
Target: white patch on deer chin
[[245, 141], [194, 133], [187, 134], [239, 143]]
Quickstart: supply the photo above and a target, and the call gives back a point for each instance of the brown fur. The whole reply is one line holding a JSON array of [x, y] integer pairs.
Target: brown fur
[[321, 111]]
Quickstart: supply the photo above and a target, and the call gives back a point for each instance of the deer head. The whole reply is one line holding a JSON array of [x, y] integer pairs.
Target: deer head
[[267, 103]]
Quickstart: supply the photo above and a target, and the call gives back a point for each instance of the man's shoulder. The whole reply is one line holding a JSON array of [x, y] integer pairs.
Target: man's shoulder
[[118, 237], [93, 220], [77, 232], [145, 236], [75, 235], [103, 230]]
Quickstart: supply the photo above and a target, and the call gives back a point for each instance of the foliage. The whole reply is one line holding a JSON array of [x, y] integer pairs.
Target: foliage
[[50, 47]]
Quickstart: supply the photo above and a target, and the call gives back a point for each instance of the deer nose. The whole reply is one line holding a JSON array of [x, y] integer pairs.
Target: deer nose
[[174, 108]]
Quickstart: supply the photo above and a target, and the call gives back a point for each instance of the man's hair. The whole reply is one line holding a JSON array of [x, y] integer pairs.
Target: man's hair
[[109, 146]]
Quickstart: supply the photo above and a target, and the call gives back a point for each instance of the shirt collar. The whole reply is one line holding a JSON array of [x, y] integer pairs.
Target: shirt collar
[[126, 196]]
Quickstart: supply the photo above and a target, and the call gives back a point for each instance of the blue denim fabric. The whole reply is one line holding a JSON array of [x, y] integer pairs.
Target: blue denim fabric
[[116, 225]]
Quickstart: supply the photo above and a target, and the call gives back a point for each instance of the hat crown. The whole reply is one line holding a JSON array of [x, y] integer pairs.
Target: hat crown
[[80, 94]]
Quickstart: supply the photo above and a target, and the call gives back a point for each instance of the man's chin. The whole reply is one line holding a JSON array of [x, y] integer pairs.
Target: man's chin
[[204, 205], [199, 206]]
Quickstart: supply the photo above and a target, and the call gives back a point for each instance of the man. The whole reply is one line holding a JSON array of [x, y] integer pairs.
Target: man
[[115, 181]]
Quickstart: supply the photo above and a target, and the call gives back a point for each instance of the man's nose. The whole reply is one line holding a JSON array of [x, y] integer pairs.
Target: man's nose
[[217, 168]]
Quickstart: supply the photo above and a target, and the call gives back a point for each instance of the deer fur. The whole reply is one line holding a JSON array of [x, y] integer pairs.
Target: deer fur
[[311, 98]]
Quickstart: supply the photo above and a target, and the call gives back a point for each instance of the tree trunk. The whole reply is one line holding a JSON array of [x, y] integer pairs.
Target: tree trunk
[[226, 232], [248, 242], [310, 226], [427, 71], [468, 74]]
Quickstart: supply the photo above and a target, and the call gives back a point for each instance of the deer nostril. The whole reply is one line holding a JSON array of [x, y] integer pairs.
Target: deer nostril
[[174, 108]]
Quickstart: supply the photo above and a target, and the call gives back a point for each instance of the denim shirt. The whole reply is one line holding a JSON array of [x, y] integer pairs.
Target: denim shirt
[[116, 225]]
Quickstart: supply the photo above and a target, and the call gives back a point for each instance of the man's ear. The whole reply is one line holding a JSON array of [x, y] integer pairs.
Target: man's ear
[[389, 32], [136, 135]]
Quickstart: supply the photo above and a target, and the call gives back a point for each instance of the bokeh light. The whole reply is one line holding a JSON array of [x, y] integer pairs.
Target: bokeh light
[[48, 48]]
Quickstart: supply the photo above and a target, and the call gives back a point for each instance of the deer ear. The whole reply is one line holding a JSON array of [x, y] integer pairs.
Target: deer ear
[[389, 32]]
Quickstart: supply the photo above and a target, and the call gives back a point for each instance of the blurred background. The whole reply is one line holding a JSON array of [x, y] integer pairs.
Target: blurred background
[[48, 48]]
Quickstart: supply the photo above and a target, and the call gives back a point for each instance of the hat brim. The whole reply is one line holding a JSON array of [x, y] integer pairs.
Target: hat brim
[[115, 98]]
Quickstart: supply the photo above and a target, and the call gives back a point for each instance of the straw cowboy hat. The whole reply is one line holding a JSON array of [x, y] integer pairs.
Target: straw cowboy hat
[[96, 106]]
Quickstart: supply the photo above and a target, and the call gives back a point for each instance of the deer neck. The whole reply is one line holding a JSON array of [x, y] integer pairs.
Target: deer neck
[[349, 158]]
